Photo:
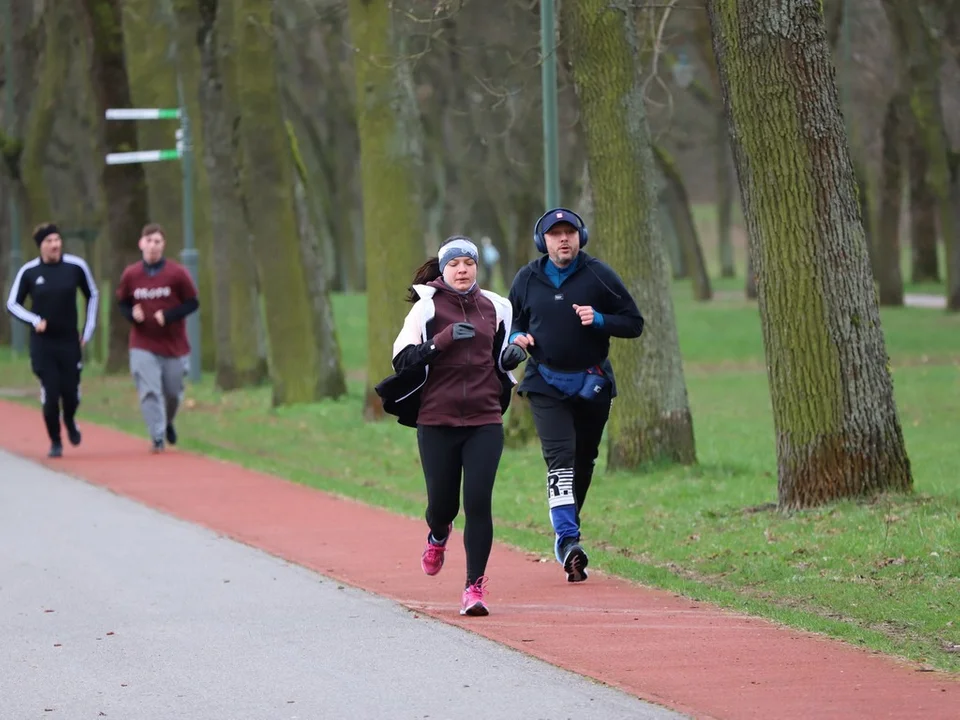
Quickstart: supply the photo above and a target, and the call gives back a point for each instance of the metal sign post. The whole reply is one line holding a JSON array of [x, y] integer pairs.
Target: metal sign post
[[548, 89], [18, 331], [183, 153]]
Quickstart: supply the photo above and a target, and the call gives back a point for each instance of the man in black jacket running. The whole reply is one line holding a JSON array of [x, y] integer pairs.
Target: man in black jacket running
[[567, 305], [51, 281]]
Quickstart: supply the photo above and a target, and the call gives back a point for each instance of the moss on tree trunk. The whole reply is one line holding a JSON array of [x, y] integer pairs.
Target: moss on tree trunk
[[240, 359], [43, 115], [650, 420], [837, 430], [266, 180], [390, 159]]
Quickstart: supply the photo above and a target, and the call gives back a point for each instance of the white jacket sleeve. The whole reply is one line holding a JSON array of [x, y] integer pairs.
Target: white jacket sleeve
[[412, 331]]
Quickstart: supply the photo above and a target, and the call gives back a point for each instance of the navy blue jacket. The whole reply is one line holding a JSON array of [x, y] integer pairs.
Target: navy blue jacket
[[546, 312]]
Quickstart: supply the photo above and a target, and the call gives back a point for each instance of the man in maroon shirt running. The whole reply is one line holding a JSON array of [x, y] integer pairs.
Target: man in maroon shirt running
[[156, 295]]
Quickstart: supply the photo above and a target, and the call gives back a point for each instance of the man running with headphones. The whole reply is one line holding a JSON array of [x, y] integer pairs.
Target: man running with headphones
[[567, 305]]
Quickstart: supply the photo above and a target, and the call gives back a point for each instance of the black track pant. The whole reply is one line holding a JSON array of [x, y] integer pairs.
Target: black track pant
[[570, 433], [57, 364], [473, 453]]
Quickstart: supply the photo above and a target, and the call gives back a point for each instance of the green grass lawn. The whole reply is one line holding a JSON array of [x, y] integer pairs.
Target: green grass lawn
[[884, 574]]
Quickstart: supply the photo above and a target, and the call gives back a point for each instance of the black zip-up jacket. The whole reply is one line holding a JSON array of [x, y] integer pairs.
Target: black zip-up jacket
[[546, 312], [52, 289]]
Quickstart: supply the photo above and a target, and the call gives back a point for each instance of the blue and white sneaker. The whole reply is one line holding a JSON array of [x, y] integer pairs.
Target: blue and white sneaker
[[574, 559]]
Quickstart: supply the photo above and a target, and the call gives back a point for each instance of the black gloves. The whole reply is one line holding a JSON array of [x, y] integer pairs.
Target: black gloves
[[451, 333], [463, 331], [512, 356]]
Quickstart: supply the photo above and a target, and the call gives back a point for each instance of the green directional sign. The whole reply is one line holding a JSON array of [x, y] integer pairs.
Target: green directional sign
[[143, 114], [141, 156]]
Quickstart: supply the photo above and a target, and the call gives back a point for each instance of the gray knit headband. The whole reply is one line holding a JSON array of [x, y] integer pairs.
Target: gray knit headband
[[457, 246]]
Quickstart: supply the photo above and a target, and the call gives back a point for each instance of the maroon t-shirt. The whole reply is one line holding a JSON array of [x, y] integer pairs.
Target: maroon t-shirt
[[166, 289]]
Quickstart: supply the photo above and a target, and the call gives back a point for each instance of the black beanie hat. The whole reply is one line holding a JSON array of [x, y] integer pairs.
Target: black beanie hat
[[43, 231]]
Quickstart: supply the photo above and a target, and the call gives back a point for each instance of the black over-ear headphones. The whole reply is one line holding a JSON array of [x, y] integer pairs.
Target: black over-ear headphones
[[541, 242]]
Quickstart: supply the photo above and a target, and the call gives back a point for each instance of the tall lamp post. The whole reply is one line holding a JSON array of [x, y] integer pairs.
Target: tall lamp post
[[189, 254], [548, 79], [17, 329]]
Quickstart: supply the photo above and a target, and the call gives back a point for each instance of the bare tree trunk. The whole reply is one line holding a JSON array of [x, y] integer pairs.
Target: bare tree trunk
[[887, 258], [390, 159], [724, 176], [668, 228], [332, 382], [124, 186], [918, 27], [750, 282], [6, 323], [341, 143], [7, 190], [317, 87], [266, 173], [58, 19], [838, 433], [863, 200], [313, 201], [25, 53], [651, 419], [952, 34], [925, 263], [953, 248], [240, 361], [725, 197], [670, 235], [306, 86], [518, 251], [678, 205], [321, 197]]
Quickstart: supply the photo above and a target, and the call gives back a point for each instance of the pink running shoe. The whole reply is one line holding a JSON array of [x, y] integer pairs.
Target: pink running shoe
[[472, 603], [432, 558]]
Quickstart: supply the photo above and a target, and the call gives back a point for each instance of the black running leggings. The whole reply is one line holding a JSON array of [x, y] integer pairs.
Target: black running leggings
[[473, 453], [57, 364]]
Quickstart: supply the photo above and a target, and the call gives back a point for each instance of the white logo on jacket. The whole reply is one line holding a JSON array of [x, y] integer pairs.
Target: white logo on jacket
[[414, 330], [151, 293]]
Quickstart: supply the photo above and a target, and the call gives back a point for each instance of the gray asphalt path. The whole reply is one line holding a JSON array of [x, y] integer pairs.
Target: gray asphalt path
[[109, 609]]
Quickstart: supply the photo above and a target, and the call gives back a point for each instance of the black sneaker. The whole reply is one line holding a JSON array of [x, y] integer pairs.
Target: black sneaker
[[157, 445], [171, 434], [56, 450], [575, 561], [74, 435]]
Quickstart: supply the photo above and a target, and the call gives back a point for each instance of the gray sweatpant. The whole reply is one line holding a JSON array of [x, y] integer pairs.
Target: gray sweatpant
[[159, 382]]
